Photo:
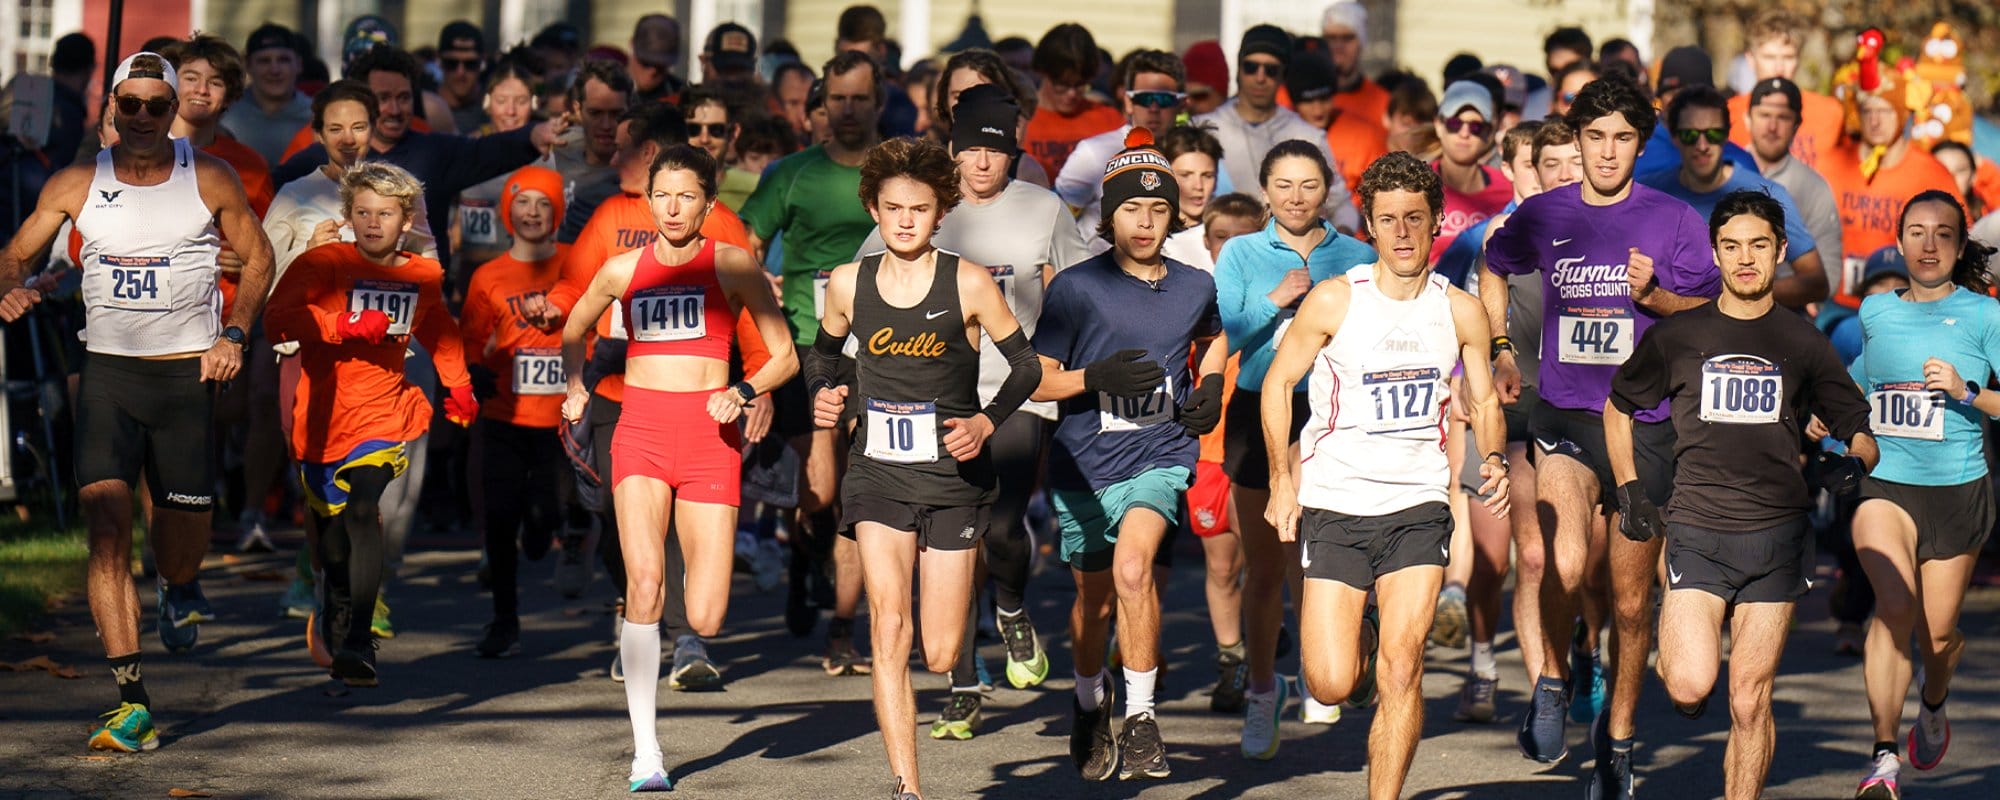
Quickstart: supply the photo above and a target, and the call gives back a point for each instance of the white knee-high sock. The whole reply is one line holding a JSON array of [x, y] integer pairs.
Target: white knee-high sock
[[639, 647], [1139, 691]]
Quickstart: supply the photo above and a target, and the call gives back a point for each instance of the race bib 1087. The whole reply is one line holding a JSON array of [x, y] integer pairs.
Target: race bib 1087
[[1906, 411]]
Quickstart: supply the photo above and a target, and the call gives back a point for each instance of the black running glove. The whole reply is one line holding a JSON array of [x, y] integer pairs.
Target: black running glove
[[1127, 373], [1840, 474], [1638, 518], [1203, 410]]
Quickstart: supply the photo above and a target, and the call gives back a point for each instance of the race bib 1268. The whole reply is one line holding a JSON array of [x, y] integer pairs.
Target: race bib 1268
[[538, 371], [1741, 390]]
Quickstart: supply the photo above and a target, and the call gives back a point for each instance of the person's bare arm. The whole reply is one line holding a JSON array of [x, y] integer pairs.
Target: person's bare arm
[[747, 288], [1319, 318], [223, 191], [605, 288], [1807, 283], [1489, 425], [61, 200]]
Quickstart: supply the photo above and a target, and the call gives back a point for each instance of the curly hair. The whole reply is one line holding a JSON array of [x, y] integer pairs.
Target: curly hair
[[1400, 171], [387, 180], [920, 161]]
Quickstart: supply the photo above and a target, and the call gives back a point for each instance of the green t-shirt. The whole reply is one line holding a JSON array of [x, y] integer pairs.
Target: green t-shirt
[[816, 203]]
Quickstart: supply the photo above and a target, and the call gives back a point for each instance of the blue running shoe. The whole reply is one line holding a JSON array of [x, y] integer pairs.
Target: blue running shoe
[[126, 729], [979, 670], [655, 782], [1542, 737], [1587, 699], [177, 637], [185, 604]]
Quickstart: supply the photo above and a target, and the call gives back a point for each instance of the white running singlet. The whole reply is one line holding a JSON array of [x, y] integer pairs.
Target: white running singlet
[[1379, 391], [149, 267]]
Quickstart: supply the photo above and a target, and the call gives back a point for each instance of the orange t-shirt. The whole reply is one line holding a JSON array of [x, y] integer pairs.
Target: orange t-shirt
[[526, 360], [256, 177], [1871, 209], [355, 392], [1051, 136], [1986, 184], [1211, 442], [1821, 127], [1355, 143], [621, 224], [1369, 101]]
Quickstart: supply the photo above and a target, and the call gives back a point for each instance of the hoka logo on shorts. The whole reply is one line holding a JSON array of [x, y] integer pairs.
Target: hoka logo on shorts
[[189, 499], [1573, 279], [924, 345]]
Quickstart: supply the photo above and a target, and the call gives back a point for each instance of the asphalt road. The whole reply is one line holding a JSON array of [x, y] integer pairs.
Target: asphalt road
[[247, 714]]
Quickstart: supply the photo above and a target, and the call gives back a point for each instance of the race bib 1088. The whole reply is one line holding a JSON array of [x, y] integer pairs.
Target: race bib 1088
[[1741, 390]]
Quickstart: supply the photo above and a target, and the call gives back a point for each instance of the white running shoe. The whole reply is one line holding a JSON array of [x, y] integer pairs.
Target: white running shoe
[[1314, 712], [1260, 721]]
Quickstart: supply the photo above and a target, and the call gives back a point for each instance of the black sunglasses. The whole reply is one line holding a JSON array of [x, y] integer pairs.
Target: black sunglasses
[[1157, 99], [452, 64], [713, 130], [1688, 136], [1263, 67], [155, 107], [1476, 127]]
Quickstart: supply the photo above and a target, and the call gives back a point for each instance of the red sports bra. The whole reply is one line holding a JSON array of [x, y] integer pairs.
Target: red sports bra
[[677, 310]]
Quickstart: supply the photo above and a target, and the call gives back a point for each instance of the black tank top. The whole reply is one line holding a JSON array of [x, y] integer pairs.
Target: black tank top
[[915, 369]]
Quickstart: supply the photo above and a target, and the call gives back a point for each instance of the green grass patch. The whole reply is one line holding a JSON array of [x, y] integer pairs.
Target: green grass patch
[[37, 563]]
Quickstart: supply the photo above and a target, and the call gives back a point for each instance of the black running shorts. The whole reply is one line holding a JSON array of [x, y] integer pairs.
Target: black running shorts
[[936, 527], [1580, 435], [1951, 520], [1773, 565], [1356, 550], [135, 416]]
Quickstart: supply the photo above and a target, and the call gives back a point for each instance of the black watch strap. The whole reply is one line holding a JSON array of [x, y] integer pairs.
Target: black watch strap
[[744, 391], [236, 336]]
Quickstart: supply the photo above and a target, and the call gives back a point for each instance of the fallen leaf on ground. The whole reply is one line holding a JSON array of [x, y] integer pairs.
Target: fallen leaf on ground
[[187, 793], [43, 663], [36, 637], [92, 758]]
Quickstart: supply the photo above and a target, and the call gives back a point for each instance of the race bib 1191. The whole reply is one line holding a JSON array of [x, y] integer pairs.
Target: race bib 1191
[[397, 299]]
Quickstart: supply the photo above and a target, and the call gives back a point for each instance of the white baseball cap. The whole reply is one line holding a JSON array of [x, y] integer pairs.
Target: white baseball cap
[[146, 65]]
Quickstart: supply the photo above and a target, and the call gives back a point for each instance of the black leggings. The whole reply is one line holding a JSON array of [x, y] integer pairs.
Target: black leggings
[[520, 470], [1017, 456], [673, 618], [350, 549]]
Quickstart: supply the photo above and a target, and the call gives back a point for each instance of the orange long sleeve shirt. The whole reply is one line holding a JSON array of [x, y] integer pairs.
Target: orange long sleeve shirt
[[526, 360], [352, 392]]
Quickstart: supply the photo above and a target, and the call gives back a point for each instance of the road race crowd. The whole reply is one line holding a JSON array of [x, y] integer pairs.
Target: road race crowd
[[869, 332]]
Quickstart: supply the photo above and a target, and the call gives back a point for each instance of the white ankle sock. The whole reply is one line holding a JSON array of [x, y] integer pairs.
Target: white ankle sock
[[1139, 691], [1483, 664], [1090, 691], [639, 648]]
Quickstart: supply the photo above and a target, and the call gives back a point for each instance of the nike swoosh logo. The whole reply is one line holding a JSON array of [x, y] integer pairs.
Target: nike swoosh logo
[[1545, 444], [1561, 242], [1445, 550], [935, 314], [1673, 575]]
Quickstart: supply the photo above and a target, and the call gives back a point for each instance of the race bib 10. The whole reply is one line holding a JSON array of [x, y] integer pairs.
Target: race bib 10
[[1741, 390], [902, 433]]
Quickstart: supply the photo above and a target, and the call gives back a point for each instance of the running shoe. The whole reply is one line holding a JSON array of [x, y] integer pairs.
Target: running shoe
[[1027, 664], [1232, 676], [842, 659], [960, 719], [1141, 754], [1881, 781], [1363, 695], [1542, 736], [693, 672], [1850, 639], [1475, 701], [185, 604], [316, 641], [1611, 778], [1260, 722], [617, 668], [572, 566], [1091, 747], [176, 633], [254, 539], [1585, 706], [1449, 625], [648, 775], [1314, 712], [356, 666], [299, 601], [126, 729], [767, 567], [379, 624], [501, 639], [1929, 737]]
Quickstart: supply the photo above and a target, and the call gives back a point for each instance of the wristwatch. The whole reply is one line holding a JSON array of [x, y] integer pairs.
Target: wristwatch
[[1971, 392], [1501, 343], [1505, 464], [236, 336], [744, 393]]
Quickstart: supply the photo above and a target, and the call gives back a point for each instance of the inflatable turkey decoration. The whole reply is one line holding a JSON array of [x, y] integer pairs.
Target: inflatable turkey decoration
[[1938, 92], [1866, 76]]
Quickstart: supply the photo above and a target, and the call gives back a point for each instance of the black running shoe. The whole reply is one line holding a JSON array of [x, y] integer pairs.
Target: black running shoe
[[1542, 729], [502, 639], [355, 666], [1091, 747], [1232, 677], [1140, 752]]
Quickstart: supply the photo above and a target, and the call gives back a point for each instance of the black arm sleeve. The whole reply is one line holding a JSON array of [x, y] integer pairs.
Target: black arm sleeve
[[1023, 375], [823, 362]]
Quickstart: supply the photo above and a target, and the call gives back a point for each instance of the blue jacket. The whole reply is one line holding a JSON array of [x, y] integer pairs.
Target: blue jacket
[[1249, 268]]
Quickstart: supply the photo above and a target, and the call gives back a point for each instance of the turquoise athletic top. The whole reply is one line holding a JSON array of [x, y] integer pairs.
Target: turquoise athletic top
[[1246, 271], [1927, 439]]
